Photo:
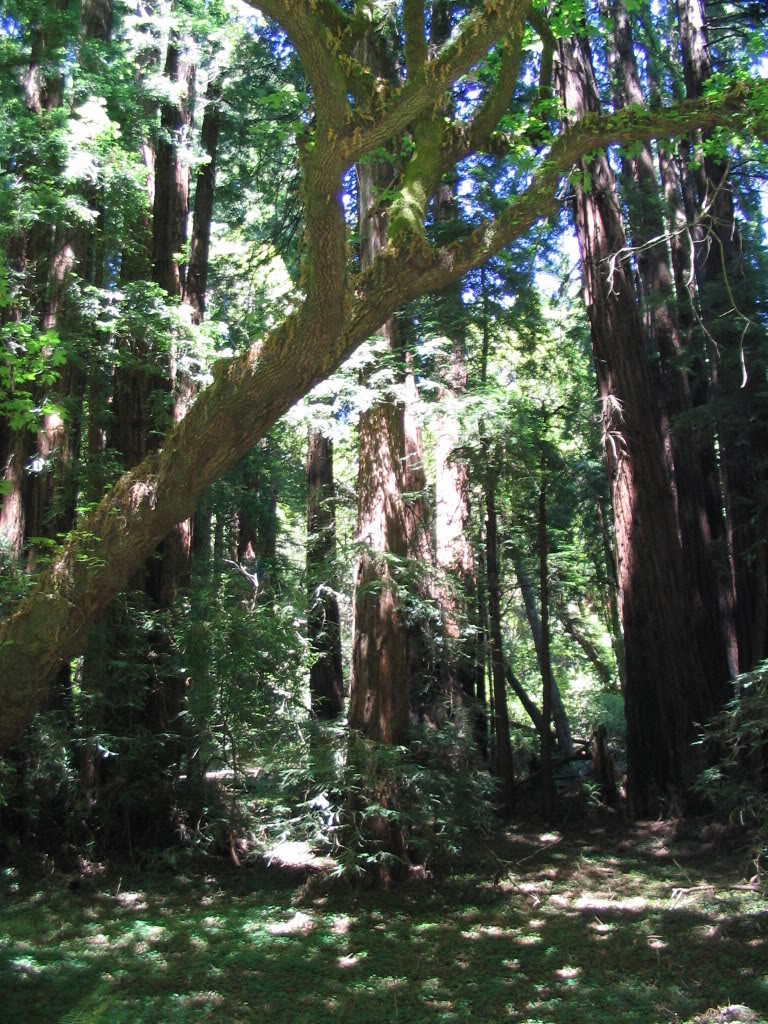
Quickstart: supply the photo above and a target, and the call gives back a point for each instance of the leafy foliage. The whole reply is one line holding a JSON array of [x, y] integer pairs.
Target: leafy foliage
[[736, 783]]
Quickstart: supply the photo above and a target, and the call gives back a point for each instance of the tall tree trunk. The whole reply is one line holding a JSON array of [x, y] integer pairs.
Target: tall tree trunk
[[429, 698], [662, 701], [688, 450], [559, 715], [379, 692], [677, 181], [503, 759], [169, 237], [326, 681], [199, 247], [738, 350], [547, 780], [379, 697]]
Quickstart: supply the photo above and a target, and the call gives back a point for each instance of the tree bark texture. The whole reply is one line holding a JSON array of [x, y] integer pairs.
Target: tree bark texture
[[738, 350], [379, 700], [665, 693], [688, 450]]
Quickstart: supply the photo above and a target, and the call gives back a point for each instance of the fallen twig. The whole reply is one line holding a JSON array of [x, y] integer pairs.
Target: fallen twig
[[540, 849]]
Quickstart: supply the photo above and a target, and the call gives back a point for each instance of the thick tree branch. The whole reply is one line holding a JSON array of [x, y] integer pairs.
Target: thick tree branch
[[479, 35], [317, 48], [474, 137], [549, 45], [415, 36], [596, 132]]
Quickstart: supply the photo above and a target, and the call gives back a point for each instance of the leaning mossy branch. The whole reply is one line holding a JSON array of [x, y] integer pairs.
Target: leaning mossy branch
[[596, 132], [413, 267]]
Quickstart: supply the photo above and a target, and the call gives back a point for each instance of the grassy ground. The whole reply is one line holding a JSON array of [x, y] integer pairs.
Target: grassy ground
[[601, 927]]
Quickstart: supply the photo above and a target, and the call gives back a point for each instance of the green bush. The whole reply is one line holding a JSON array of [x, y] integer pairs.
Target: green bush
[[436, 796], [737, 739]]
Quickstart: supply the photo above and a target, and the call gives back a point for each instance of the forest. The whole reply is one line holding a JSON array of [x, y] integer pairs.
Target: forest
[[383, 537]]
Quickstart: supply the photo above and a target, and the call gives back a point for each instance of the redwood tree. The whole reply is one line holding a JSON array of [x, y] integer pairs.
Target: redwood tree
[[662, 658], [379, 695], [690, 451], [737, 350]]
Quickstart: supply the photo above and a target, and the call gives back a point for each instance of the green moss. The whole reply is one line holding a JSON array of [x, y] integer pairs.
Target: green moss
[[421, 178]]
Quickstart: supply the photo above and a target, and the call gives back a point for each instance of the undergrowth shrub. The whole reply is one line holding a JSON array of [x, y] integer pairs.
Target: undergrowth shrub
[[40, 801], [430, 790], [737, 739], [246, 665]]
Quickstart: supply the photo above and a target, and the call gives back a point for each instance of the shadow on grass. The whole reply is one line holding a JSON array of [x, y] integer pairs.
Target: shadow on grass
[[577, 934]]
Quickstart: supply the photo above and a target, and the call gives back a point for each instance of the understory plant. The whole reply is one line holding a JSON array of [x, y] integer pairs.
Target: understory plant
[[738, 738]]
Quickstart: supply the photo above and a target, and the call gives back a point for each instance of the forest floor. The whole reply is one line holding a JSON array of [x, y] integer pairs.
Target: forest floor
[[607, 924]]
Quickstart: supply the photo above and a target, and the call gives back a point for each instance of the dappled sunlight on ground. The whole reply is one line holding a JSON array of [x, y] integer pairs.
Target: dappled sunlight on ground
[[297, 855], [609, 932]]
